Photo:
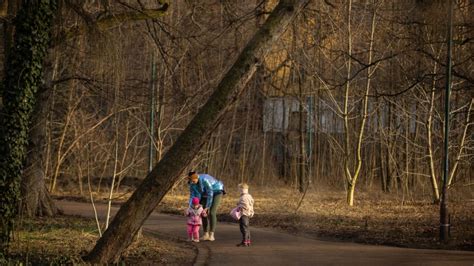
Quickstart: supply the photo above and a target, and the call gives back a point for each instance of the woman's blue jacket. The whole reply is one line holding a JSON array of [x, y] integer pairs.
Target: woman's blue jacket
[[206, 186]]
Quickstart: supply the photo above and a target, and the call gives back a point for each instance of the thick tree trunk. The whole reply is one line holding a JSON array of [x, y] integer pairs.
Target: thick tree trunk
[[136, 210], [35, 198], [23, 77]]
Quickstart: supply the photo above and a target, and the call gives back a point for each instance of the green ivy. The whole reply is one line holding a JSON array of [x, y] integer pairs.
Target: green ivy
[[24, 71]]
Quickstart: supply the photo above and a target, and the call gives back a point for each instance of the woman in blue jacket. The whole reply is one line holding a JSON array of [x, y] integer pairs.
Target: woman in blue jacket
[[209, 190]]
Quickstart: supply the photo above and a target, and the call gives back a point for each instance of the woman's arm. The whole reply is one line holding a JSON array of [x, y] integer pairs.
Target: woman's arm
[[193, 192], [203, 213], [209, 192]]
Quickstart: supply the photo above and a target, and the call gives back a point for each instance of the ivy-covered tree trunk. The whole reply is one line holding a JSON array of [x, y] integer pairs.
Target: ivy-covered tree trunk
[[23, 77], [151, 191]]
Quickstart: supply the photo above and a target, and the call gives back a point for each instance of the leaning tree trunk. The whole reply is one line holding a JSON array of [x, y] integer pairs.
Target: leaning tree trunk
[[23, 77], [159, 181]]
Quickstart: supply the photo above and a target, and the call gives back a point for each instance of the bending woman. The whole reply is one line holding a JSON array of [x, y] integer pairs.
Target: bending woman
[[209, 190]]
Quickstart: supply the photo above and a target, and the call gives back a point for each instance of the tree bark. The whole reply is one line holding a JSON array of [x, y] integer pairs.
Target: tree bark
[[35, 198], [159, 181], [8, 11], [23, 78], [429, 137]]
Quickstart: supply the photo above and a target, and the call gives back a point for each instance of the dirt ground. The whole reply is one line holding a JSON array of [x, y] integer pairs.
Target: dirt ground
[[376, 218], [270, 247], [64, 239]]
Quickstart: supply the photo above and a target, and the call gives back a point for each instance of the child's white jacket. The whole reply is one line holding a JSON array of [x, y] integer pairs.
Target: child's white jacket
[[246, 204]]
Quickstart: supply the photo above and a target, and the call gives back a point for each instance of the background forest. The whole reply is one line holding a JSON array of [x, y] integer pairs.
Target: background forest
[[350, 99], [333, 101]]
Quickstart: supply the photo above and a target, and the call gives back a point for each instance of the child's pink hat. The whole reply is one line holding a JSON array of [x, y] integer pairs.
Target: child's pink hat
[[195, 201]]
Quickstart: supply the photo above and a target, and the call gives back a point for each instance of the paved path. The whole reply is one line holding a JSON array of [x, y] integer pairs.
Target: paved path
[[274, 248]]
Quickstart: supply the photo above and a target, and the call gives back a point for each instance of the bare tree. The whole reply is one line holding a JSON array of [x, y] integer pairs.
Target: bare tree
[[103, 23], [133, 213]]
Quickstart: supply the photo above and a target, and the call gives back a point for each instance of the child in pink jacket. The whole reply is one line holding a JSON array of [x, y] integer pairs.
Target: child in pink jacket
[[195, 212]]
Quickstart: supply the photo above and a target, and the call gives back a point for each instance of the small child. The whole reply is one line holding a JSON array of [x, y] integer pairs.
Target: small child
[[195, 212], [245, 206]]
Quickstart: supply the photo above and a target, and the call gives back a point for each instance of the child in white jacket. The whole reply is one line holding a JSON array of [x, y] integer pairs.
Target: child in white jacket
[[245, 206]]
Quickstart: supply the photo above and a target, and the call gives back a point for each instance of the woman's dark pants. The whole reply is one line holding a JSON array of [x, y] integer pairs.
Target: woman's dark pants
[[209, 223]]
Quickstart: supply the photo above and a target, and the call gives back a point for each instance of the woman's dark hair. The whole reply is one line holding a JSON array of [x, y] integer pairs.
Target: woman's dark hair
[[191, 173]]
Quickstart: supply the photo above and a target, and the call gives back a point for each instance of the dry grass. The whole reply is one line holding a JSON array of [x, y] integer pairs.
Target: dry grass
[[64, 239], [376, 218]]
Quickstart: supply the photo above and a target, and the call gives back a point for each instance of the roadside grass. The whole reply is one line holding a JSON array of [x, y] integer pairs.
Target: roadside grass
[[65, 239], [376, 218]]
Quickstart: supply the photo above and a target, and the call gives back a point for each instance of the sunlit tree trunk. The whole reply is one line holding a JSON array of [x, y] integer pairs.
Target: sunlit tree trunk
[[347, 145], [352, 179], [462, 142], [429, 136]]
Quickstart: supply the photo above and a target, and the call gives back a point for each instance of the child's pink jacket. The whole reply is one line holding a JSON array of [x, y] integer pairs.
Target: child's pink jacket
[[195, 215]]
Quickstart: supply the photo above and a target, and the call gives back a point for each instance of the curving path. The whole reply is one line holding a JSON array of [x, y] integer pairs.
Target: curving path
[[274, 248]]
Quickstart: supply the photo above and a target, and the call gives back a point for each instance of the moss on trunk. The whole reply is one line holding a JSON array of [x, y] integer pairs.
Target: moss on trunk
[[23, 77]]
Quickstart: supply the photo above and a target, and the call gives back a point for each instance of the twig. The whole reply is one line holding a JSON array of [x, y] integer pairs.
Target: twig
[[302, 197]]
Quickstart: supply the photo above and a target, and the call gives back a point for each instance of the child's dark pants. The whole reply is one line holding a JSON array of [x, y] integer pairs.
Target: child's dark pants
[[244, 229]]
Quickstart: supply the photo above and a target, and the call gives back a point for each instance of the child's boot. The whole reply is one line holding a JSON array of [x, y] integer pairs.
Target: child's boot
[[205, 236], [211, 237]]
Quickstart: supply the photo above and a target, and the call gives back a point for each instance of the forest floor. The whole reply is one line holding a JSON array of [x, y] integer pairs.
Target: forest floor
[[270, 247], [63, 240], [376, 218]]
